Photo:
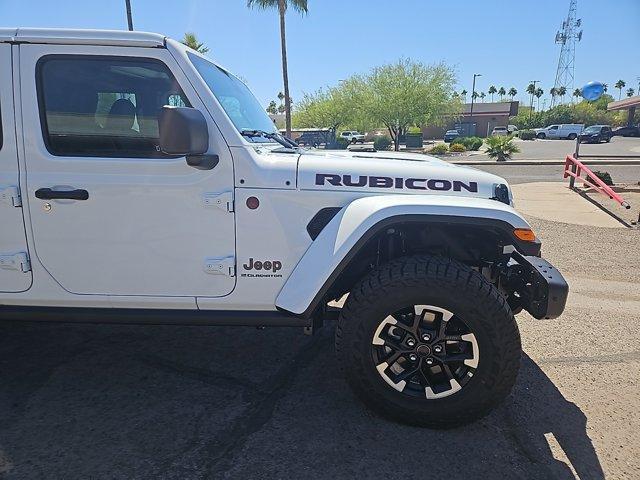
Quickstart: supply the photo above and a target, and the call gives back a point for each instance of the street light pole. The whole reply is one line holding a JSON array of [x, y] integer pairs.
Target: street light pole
[[473, 91], [129, 18], [532, 93]]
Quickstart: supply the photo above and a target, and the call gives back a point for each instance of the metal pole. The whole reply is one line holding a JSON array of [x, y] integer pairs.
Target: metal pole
[[532, 93], [129, 18], [473, 90]]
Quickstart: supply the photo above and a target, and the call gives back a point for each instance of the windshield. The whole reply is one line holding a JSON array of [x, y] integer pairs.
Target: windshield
[[592, 130], [236, 99]]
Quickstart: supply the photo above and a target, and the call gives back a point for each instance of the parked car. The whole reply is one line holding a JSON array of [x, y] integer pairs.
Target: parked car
[[499, 131], [352, 137], [512, 129], [630, 131], [450, 135], [565, 130], [312, 139], [596, 134]]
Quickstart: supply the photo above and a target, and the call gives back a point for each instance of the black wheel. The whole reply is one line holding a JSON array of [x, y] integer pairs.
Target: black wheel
[[541, 136], [572, 136], [428, 341]]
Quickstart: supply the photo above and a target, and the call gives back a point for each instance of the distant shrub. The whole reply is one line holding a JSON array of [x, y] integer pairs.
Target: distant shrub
[[439, 149], [382, 143], [340, 144], [470, 143], [527, 134], [414, 130], [457, 148], [604, 176]]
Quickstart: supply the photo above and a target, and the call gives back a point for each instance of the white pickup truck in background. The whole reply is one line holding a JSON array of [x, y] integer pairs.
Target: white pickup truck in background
[[568, 131]]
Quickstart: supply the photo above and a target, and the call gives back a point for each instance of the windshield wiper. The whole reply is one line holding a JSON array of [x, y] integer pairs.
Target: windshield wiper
[[276, 137]]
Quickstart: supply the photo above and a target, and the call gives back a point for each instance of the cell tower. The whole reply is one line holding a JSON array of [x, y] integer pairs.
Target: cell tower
[[567, 38]]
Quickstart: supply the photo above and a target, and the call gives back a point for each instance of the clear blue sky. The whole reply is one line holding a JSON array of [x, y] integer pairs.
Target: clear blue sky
[[509, 42]]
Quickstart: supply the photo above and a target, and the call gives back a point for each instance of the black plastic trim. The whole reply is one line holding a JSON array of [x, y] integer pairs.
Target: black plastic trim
[[133, 316], [320, 220], [547, 296], [526, 248]]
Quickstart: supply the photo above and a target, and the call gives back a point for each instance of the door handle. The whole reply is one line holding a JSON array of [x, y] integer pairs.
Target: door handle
[[49, 194]]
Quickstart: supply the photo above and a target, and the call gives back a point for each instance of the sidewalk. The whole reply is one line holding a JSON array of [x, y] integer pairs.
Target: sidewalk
[[555, 202]]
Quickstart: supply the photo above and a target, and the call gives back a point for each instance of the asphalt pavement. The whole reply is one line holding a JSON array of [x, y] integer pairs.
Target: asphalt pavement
[[85, 401]]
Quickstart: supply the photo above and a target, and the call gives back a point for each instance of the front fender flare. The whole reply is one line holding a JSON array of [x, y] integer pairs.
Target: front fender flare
[[359, 221]]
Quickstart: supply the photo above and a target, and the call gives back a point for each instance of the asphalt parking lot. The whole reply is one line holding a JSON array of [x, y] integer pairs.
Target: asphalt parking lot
[[187, 402]]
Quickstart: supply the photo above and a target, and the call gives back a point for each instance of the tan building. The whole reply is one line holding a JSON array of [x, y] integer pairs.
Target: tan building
[[485, 117]]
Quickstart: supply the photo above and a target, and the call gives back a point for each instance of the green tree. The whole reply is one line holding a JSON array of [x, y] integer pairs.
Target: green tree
[[402, 95], [554, 93], [501, 147], [463, 93], [475, 95], [605, 87], [531, 89], [620, 84], [272, 108], [538, 93], [577, 93], [191, 41], [328, 108], [562, 91], [512, 92], [630, 92], [482, 96], [502, 92], [491, 91], [282, 6]]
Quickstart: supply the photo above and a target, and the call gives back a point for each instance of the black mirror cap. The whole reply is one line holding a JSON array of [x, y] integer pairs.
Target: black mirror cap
[[183, 131]]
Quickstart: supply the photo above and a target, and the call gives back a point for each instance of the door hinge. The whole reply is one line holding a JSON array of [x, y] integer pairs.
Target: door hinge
[[221, 266], [18, 261], [222, 200], [11, 195]]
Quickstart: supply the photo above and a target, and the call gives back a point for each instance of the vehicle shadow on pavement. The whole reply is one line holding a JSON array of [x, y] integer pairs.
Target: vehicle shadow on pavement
[[178, 402]]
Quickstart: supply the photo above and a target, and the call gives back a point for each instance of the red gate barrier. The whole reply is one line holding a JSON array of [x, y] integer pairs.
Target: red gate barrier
[[573, 168]]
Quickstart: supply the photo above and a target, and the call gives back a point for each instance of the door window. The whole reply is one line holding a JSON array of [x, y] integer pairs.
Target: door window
[[104, 106]]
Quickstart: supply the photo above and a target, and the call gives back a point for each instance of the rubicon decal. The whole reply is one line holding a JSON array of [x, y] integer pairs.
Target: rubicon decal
[[399, 183], [269, 267]]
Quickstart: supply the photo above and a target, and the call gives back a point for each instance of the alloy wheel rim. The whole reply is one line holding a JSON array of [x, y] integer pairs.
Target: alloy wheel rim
[[425, 351]]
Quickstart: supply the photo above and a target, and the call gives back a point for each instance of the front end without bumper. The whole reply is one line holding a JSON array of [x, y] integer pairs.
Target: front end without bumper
[[535, 285]]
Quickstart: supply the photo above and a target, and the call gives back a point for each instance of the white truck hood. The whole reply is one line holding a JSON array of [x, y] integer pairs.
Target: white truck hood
[[392, 172]]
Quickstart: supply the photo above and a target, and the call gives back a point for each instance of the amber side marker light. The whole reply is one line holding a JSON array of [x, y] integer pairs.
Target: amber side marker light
[[525, 234]]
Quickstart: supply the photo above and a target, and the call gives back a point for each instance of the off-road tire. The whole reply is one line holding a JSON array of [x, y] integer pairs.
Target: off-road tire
[[427, 280], [541, 136]]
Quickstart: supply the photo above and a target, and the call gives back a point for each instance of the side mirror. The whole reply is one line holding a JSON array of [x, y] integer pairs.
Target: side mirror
[[183, 131]]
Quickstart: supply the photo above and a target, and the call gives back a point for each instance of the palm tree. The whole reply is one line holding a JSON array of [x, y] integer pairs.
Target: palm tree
[[492, 90], [475, 95], [620, 84], [512, 92], [463, 93], [502, 92], [605, 87], [501, 147], [562, 91], [577, 93], [554, 93], [482, 95], [191, 41], [282, 5], [630, 92], [538, 93], [531, 89]]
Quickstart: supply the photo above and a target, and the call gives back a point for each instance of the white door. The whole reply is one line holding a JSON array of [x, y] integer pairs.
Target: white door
[[554, 131], [15, 274], [134, 221]]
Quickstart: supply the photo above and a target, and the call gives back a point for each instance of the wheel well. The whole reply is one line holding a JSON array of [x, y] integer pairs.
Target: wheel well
[[474, 245]]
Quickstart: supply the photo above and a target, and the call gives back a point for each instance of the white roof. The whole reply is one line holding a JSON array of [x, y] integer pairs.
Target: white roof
[[62, 36]]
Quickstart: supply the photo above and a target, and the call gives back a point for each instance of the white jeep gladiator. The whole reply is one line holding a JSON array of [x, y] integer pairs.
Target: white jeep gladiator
[[142, 183]]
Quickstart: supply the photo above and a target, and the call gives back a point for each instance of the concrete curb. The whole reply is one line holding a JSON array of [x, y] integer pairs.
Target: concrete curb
[[543, 162]]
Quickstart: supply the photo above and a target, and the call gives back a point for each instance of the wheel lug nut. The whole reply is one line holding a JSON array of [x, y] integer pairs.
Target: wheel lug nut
[[429, 361], [413, 357], [437, 349], [426, 337], [411, 342]]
